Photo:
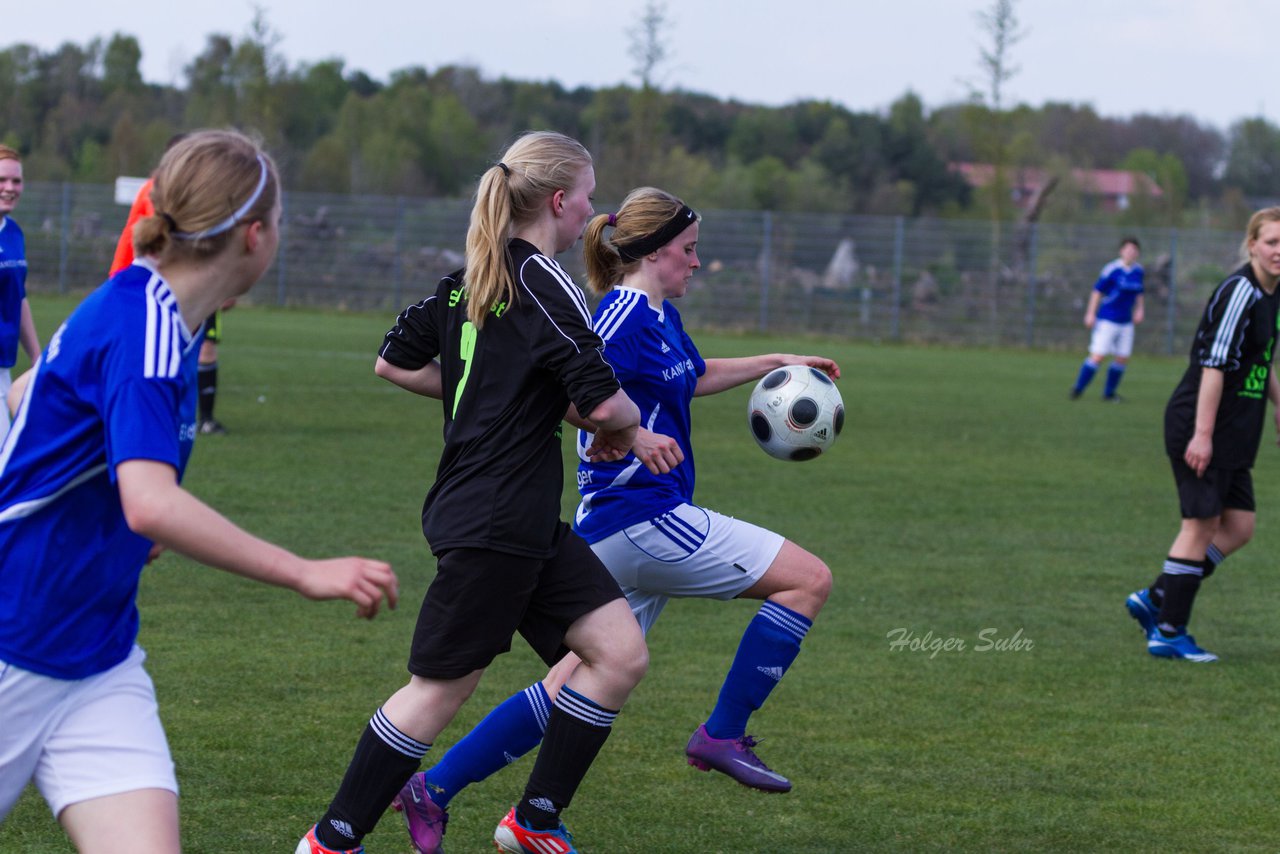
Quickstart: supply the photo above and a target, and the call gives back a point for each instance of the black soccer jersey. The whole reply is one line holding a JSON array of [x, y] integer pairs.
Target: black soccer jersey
[[1236, 335], [506, 389]]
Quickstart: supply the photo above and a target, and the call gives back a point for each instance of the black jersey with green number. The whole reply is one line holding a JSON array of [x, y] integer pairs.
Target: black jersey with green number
[[506, 388], [1237, 335]]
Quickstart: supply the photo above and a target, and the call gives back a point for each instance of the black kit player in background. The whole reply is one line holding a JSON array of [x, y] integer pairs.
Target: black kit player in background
[[1213, 426], [515, 346]]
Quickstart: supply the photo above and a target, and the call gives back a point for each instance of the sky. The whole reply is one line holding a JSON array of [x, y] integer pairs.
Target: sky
[[1203, 58]]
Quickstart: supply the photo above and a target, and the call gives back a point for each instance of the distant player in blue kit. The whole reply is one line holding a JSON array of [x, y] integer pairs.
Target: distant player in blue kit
[[16, 325], [638, 515], [1115, 307], [89, 494], [1213, 426]]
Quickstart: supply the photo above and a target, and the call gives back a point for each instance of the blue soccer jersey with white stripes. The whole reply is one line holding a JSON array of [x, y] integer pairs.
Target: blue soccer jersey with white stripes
[[1236, 335], [1120, 287], [13, 289], [117, 382], [658, 366]]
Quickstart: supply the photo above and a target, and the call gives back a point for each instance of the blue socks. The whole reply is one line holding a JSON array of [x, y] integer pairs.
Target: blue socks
[[1115, 373], [769, 645], [1087, 370], [511, 730]]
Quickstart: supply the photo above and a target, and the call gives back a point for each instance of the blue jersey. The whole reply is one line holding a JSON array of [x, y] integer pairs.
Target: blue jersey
[[658, 367], [13, 289], [117, 382], [1120, 287]]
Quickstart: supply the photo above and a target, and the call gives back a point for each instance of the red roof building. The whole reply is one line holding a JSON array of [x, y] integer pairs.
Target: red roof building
[[1111, 189]]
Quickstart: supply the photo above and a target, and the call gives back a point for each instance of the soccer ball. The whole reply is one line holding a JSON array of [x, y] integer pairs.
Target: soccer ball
[[795, 412]]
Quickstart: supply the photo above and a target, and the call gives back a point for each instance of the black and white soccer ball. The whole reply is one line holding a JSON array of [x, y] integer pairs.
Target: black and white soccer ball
[[795, 412]]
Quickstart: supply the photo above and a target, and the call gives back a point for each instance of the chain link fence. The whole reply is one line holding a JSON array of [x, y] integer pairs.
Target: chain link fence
[[878, 278]]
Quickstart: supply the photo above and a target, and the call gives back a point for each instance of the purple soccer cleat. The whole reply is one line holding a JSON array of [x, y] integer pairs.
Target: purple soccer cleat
[[733, 756], [425, 821]]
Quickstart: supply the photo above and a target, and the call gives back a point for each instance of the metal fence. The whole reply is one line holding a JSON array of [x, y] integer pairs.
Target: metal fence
[[866, 277]]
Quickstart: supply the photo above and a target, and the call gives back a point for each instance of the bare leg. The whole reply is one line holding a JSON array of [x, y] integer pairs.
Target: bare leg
[[130, 822]]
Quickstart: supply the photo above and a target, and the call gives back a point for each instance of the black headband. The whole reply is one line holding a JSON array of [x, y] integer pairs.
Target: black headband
[[637, 249]]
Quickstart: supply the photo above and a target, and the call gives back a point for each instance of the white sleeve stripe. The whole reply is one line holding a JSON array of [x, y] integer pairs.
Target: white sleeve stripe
[[165, 332], [566, 282], [1241, 298], [543, 308], [26, 508], [20, 419], [149, 352], [616, 314]]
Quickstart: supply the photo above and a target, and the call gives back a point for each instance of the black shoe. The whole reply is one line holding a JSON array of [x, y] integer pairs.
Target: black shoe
[[1075, 394], [211, 426]]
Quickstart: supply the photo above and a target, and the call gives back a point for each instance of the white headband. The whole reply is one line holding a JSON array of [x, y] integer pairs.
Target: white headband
[[230, 222]]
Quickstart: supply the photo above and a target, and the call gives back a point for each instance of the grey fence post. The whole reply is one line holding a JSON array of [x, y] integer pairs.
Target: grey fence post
[[282, 255], [1171, 320], [899, 230], [399, 262], [766, 255], [1031, 284], [64, 239]]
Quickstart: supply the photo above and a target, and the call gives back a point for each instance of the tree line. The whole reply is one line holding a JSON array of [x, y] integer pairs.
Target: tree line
[[83, 113]]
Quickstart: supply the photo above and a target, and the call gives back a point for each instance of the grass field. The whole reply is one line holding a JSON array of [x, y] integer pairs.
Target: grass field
[[968, 501]]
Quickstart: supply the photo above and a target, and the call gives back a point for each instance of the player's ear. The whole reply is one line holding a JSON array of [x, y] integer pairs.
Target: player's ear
[[557, 202], [253, 235]]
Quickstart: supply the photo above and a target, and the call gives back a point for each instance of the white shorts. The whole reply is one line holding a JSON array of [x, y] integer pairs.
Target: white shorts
[[80, 739], [687, 552], [1111, 339]]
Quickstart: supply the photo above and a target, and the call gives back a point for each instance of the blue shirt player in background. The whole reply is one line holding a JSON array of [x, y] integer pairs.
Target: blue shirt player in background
[[1115, 307], [16, 326], [90, 492]]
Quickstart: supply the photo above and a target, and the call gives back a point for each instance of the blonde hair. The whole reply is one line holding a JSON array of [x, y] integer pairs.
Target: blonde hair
[[206, 185], [1256, 222], [644, 211], [511, 193], [7, 153]]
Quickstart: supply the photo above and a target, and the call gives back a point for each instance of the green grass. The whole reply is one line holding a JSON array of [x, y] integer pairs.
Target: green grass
[[966, 495]]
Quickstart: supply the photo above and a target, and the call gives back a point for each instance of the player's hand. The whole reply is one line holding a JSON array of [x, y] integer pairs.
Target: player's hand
[[1089, 321], [659, 453], [357, 579], [609, 446], [1198, 454], [827, 366]]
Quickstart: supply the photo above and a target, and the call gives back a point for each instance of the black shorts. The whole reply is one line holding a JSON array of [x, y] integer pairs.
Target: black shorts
[[480, 598], [1219, 489]]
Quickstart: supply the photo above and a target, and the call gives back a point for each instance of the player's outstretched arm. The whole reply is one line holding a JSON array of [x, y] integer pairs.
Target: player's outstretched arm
[[425, 381], [615, 420], [19, 387], [158, 508], [658, 452], [724, 374]]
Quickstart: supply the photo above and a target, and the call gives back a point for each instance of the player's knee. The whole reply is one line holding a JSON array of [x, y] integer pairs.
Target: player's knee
[[819, 585], [627, 658]]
